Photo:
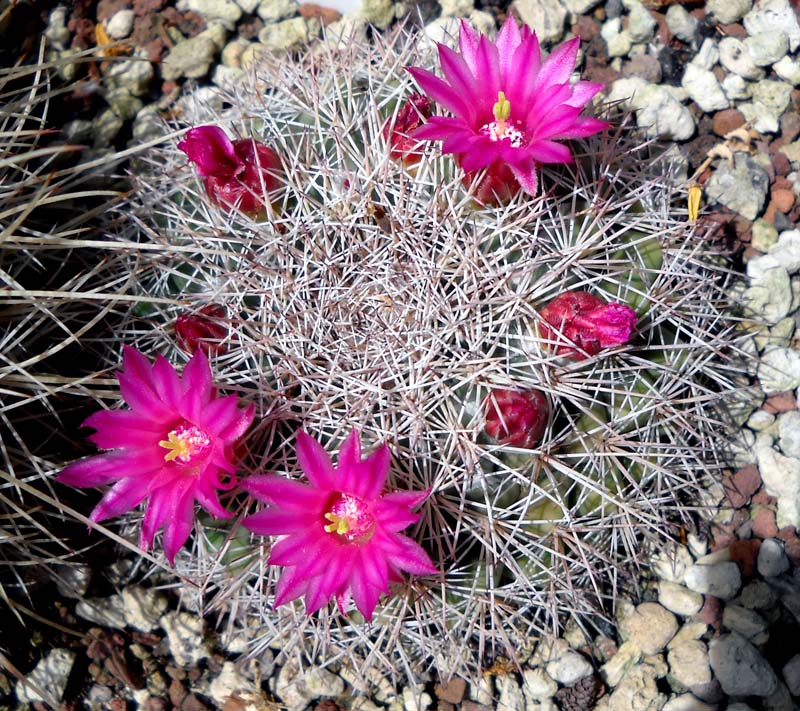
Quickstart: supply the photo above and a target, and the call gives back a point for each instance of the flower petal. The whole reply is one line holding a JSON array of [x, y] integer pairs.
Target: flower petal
[[118, 429], [102, 469], [197, 386], [365, 595], [508, 39], [488, 70], [374, 472], [468, 39], [549, 152], [291, 585], [583, 92], [520, 84], [315, 462], [180, 521], [525, 172], [443, 93], [210, 149], [287, 493], [460, 78], [298, 549], [124, 496], [167, 384], [240, 424], [274, 522], [135, 387], [560, 64], [440, 127]]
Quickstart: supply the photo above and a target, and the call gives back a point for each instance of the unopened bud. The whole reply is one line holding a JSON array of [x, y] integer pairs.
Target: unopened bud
[[202, 329], [516, 418]]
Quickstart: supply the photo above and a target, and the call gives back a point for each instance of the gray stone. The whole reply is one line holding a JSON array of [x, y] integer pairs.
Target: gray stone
[[721, 579], [789, 433], [774, 95], [741, 187], [105, 611], [191, 59], [761, 420], [123, 103], [120, 24], [681, 23], [769, 296], [788, 69], [49, 676], [185, 633], [641, 24], [760, 117], [72, 581], [143, 607], [772, 559], [547, 16], [746, 622], [227, 77], [650, 626], [740, 668], [733, 55], [758, 595], [105, 127], [688, 665], [728, 11], [414, 699], [786, 251], [226, 12], [779, 700], [766, 48], [537, 686], [563, 664], [735, 87], [57, 31], [679, 599], [779, 370], [276, 10], [774, 16], [687, 702], [288, 34], [618, 41], [134, 74], [791, 675], [510, 693], [703, 87]]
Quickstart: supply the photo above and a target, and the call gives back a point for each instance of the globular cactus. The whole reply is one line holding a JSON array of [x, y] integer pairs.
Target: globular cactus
[[379, 296]]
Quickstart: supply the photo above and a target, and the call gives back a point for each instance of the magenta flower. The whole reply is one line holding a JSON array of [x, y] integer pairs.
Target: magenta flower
[[414, 113], [509, 108], [340, 535], [516, 418], [235, 173], [173, 447], [588, 322]]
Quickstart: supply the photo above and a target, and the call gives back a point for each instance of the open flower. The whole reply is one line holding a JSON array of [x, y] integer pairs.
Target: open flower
[[414, 113], [236, 174], [340, 534], [174, 447], [509, 108], [586, 321]]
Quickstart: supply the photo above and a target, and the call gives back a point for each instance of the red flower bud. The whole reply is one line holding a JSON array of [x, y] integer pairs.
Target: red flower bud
[[202, 329], [588, 322], [497, 187], [413, 114], [516, 418], [233, 171]]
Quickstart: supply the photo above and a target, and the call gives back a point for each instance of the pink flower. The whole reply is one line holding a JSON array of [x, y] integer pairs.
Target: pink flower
[[173, 447], [414, 113], [236, 174], [340, 535], [202, 329], [509, 108], [588, 322], [516, 418]]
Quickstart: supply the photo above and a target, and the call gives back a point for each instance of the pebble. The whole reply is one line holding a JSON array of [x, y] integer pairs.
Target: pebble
[[289, 34], [510, 694], [791, 675], [191, 59], [143, 607], [537, 686], [775, 17], [740, 668], [766, 48], [721, 580], [779, 370], [703, 87], [681, 23], [679, 599], [763, 235], [636, 692], [563, 664], [658, 111], [688, 665], [741, 187], [276, 10], [649, 626], [789, 433], [708, 54], [50, 675], [741, 485], [728, 11], [788, 69], [120, 24], [687, 702], [185, 634], [758, 595], [735, 87], [772, 559], [726, 121], [671, 565], [547, 16], [786, 251], [618, 41], [733, 55], [72, 581], [641, 23], [104, 611], [746, 622]]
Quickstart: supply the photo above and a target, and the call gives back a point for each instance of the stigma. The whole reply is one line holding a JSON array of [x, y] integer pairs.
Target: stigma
[[185, 444], [350, 518], [502, 128]]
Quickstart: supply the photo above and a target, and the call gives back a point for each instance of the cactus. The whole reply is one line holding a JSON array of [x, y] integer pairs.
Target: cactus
[[380, 297]]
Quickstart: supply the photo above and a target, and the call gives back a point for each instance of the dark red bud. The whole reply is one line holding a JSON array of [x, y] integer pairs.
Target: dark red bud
[[202, 329], [414, 112], [516, 418]]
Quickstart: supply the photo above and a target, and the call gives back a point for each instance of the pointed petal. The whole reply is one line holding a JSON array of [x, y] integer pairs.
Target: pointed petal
[[179, 523], [482, 155], [460, 78], [167, 384], [508, 39], [443, 93], [441, 127], [273, 522], [583, 92], [488, 71], [374, 474], [560, 64], [350, 451], [123, 428], [135, 385], [549, 152], [104, 468], [208, 497], [124, 496], [468, 39], [240, 424], [408, 555], [315, 462], [374, 568], [365, 596], [324, 586], [527, 175], [521, 82], [584, 126], [158, 508], [197, 386], [277, 490], [291, 585], [305, 547], [218, 415]]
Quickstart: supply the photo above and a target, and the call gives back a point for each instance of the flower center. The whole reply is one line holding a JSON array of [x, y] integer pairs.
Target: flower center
[[185, 443], [350, 518], [501, 128]]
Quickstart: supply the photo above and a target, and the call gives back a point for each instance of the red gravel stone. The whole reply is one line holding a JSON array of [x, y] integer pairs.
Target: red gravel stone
[[727, 120], [762, 498], [790, 126], [781, 164], [722, 536], [745, 553], [732, 30], [764, 525], [326, 15], [792, 543], [711, 612], [783, 199], [742, 485], [451, 692], [780, 402], [586, 28]]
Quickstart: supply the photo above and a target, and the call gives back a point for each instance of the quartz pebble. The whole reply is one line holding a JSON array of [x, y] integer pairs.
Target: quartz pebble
[[772, 559], [649, 626], [721, 580], [679, 599], [740, 668], [49, 675]]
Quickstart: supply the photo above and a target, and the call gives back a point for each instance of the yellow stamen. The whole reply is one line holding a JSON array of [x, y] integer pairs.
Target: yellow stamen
[[178, 447], [338, 524], [501, 109]]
